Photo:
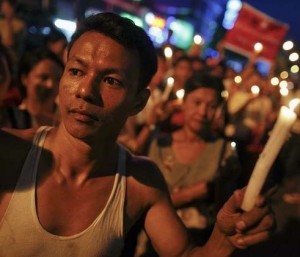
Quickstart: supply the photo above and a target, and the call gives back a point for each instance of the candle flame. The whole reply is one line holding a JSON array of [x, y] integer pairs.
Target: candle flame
[[294, 103], [180, 93], [168, 52], [170, 81]]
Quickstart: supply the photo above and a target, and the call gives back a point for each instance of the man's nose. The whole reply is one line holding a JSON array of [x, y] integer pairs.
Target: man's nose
[[86, 90]]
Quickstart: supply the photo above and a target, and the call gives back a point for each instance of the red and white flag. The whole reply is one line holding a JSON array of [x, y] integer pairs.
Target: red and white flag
[[252, 26]]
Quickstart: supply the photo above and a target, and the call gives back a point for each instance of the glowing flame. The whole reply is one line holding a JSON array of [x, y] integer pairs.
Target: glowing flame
[[294, 103], [180, 93]]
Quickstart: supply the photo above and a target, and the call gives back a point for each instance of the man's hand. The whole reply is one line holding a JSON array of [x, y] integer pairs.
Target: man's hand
[[244, 229]]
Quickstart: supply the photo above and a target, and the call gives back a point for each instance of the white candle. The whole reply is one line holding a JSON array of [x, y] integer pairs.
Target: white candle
[[168, 53], [168, 89], [279, 134]]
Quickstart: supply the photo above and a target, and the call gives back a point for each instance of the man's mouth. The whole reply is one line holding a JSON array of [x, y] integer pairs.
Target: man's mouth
[[84, 116]]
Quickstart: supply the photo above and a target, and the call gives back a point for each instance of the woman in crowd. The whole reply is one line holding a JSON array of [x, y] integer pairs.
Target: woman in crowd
[[10, 116], [12, 29], [200, 168], [39, 74]]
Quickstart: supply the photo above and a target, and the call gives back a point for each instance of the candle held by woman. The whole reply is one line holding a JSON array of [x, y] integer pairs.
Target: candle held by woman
[[279, 134], [168, 89]]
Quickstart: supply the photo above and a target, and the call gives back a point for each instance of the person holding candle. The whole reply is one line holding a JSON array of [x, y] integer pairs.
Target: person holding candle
[[170, 109], [12, 29], [137, 132], [200, 168], [10, 116], [73, 191]]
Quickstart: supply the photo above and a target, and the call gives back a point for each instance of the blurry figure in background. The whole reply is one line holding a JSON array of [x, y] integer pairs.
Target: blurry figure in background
[[39, 74], [12, 29], [10, 116], [198, 64], [170, 109], [251, 116], [182, 71], [136, 134], [287, 198], [200, 168], [56, 42]]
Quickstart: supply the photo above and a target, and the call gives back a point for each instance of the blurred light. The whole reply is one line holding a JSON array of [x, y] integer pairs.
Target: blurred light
[[198, 40], [238, 79], [294, 68], [255, 89], [183, 33], [180, 93], [170, 81], [46, 30], [274, 81], [149, 17], [224, 94], [234, 5], [91, 11], [156, 35], [284, 74], [283, 84], [155, 21], [67, 26], [168, 52], [284, 91], [293, 57], [294, 103], [233, 145], [287, 45], [231, 13], [137, 21], [258, 47], [32, 29], [290, 85]]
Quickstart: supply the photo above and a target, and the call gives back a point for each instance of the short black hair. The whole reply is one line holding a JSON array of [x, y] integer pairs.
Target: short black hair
[[126, 33], [54, 36], [205, 80]]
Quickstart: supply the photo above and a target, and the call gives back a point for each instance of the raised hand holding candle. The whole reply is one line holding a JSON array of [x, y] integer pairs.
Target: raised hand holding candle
[[168, 89], [286, 119]]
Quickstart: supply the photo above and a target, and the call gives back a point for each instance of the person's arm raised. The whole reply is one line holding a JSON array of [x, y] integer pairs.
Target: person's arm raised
[[233, 228]]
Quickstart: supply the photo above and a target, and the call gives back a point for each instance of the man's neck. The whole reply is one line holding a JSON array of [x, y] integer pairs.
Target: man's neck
[[75, 158]]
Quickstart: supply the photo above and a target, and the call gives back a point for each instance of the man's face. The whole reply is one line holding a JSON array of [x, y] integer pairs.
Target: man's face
[[98, 89]]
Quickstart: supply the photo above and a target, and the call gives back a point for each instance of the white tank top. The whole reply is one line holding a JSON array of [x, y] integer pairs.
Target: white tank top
[[21, 234]]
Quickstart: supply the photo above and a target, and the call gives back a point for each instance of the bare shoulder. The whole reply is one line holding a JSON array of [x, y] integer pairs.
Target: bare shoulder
[[146, 186], [14, 147], [24, 134], [13, 140], [143, 170]]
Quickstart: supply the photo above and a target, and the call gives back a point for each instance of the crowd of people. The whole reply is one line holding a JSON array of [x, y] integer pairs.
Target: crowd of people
[[92, 107]]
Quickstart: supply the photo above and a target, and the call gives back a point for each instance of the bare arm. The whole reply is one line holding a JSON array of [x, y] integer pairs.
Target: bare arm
[[185, 195], [233, 229]]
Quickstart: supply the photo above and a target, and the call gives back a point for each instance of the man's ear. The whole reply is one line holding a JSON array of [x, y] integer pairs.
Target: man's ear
[[140, 101]]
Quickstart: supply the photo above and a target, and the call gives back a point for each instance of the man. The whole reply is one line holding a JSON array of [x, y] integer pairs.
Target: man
[[79, 193]]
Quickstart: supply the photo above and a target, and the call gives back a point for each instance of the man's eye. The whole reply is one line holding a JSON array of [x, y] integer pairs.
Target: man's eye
[[112, 82], [75, 72]]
